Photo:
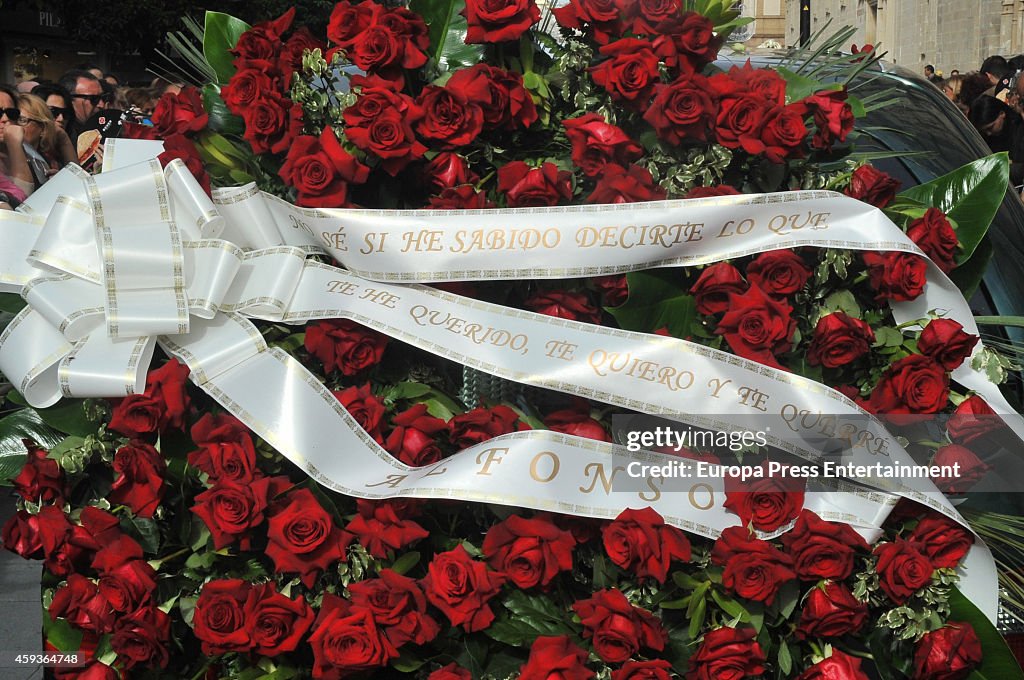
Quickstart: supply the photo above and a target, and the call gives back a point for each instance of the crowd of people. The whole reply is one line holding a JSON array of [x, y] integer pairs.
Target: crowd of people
[[992, 98], [41, 123]]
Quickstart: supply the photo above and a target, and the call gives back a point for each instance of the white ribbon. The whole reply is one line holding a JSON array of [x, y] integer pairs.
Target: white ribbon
[[96, 306]]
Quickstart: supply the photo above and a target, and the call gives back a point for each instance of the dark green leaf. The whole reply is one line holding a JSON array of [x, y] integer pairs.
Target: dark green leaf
[[407, 663], [785, 659], [677, 651], [656, 300], [61, 634], [14, 427], [448, 48], [406, 562], [970, 196], [997, 662], [528, 617], [968, 275], [697, 619], [11, 302], [219, 37], [730, 606], [221, 119], [68, 417], [144, 530], [800, 87]]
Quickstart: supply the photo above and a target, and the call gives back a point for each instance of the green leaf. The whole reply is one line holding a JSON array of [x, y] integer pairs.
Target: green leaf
[[656, 300], [144, 530], [697, 619], [61, 634], [730, 606], [406, 562], [997, 662], [800, 87], [842, 301], [11, 302], [970, 196], [221, 119], [408, 390], [69, 417], [888, 337], [785, 659], [527, 618], [14, 427], [968, 275], [220, 35], [406, 663], [448, 48]]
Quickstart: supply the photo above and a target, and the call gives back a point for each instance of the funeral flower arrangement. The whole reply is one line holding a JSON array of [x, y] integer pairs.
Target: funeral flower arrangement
[[176, 543]]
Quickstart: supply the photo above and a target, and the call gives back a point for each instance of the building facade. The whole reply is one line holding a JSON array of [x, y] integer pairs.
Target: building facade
[[769, 25], [949, 34]]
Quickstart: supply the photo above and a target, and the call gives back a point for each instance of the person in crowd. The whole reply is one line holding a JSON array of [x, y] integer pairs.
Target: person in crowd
[[999, 72], [109, 95], [86, 97], [951, 87], [58, 101], [47, 147], [1003, 130], [91, 68], [26, 86], [12, 137], [160, 87], [953, 72], [141, 102], [112, 79], [929, 71], [973, 86]]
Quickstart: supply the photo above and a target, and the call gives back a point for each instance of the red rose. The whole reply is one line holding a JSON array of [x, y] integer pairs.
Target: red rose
[[949, 653], [263, 41], [166, 386], [822, 550], [530, 552], [872, 186], [465, 197], [658, 669], [784, 132], [271, 123], [412, 439], [972, 468], [450, 119], [140, 485], [577, 422], [914, 384], [687, 42], [833, 117], [179, 147], [495, 21], [602, 17], [125, 579], [614, 289], [234, 461], [398, 605], [290, 59], [971, 420], [230, 509], [683, 111], [902, 569], [461, 587], [944, 541], [935, 236], [526, 187], [779, 272], [80, 602], [555, 657], [639, 541], [449, 170], [505, 101], [136, 415], [346, 640], [21, 535], [945, 341], [754, 569], [831, 611], [141, 638], [596, 143], [632, 185], [218, 428], [180, 113], [246, 87], [839, 666], [762, 83], [452, 671], [617, 628], [757, 326], [727, 654], [366, 409], [649, 15], [276, 624], [344, 345], [481, 424], [740, 122], [714, 287], [396, 39], [563, 304], [219, 620], [348, 21], [766, 502], [40, 480], [76, 551], [381, 526], [381, 123], [710, 192], [839, 340], [302, 538], [321, 170], [630, 72]]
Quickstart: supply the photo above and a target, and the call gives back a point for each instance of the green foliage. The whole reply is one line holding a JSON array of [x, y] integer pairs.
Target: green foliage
[[221, 120], [656, 299], [15, 427], [448, 48], [998, 662], [220, 36], [527, 617]]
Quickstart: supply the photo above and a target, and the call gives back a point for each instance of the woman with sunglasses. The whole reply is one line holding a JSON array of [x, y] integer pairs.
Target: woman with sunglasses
[[47, 147], [58, 101], [13, 160]]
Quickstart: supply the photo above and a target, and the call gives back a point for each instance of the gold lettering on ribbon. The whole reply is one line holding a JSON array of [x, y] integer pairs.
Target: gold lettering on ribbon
[[467, 241], [336, 240], [373, 242], [600, 476], [560, 349], [489, 457], [718, 385], [753, 397], [394, 481], [784, 225], [380, 297], [732, 228], [342, 287], [474, 332], [535, 466], [693, 496], [422, 241], [631, 236], [603, 363]]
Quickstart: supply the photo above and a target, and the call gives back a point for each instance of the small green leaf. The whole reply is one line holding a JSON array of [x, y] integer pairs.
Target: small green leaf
[[800, 87], [697, 620], [448, 48], [61, 634], [785, 659], [888, 337], [219, 38], [656, 300], [221, 119], [406, 562], [11, 302], [843, 301], [144, 530], [407, 663]]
